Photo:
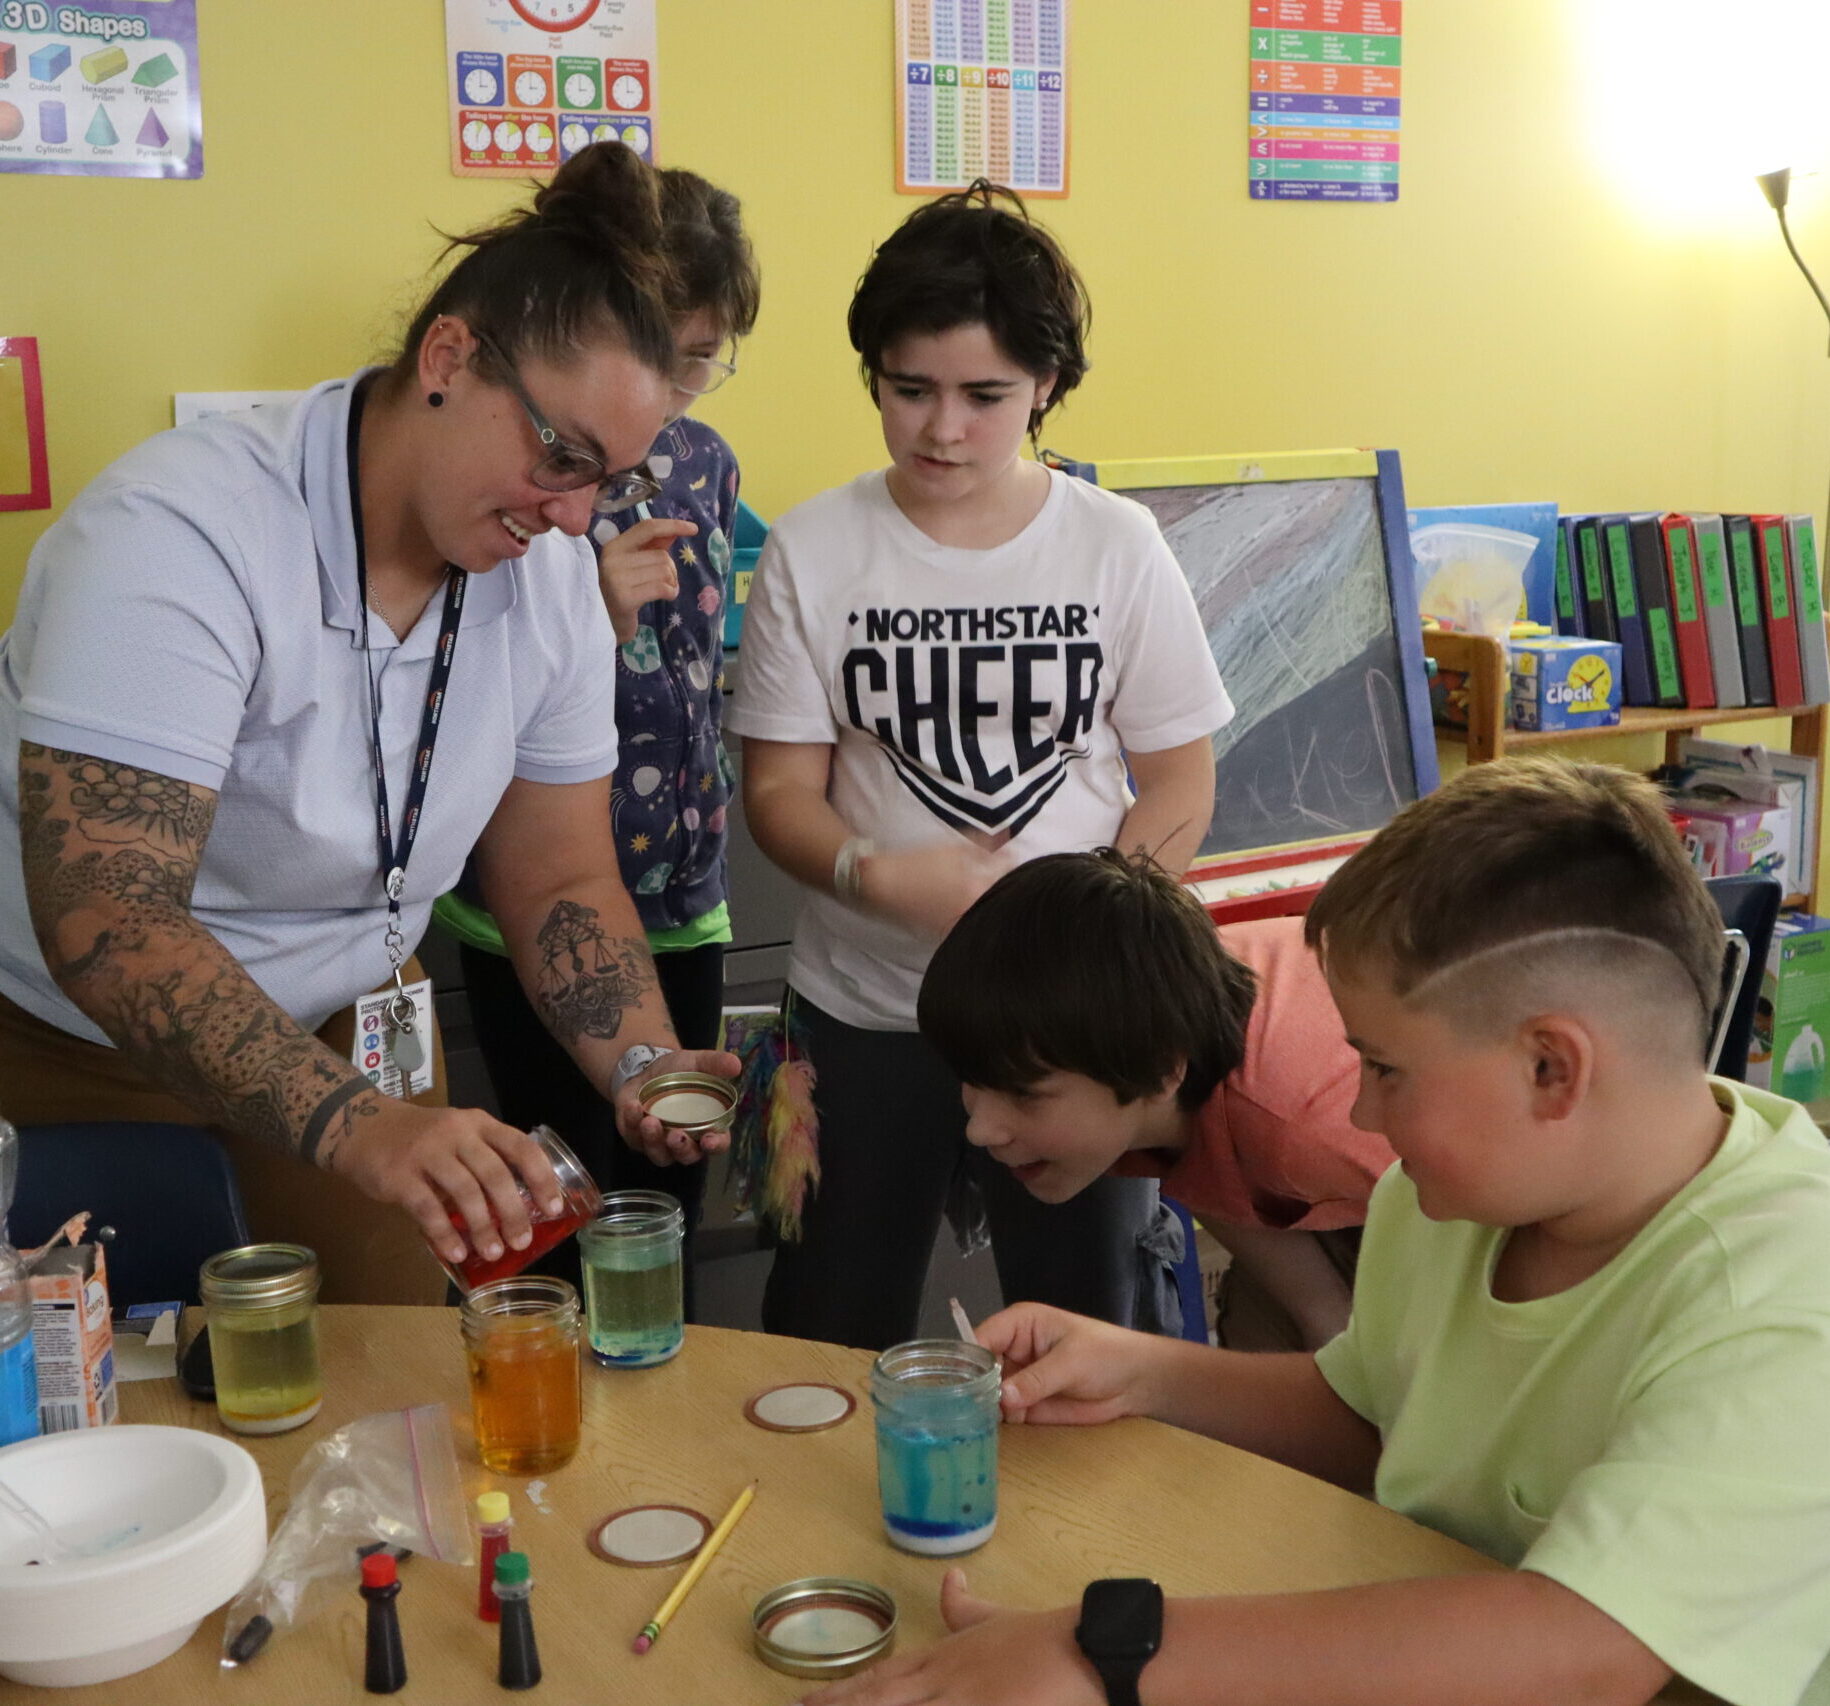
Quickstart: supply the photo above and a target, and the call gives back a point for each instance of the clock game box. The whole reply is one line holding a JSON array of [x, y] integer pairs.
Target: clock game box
[[1561, 682]]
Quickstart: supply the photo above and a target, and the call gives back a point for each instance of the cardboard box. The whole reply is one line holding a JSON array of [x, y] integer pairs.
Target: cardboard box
[[73, 1339], [1728, 837], [1792, 1019], [1561, 682]]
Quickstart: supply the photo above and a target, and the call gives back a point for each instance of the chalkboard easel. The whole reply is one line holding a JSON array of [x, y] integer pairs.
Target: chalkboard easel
[[1301, 568]]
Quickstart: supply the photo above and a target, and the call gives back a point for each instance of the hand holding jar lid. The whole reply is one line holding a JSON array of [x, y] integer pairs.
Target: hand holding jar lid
[[676, 1106]]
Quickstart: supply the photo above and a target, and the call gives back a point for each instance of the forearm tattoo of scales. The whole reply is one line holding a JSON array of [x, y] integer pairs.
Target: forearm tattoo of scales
[[586, 981]]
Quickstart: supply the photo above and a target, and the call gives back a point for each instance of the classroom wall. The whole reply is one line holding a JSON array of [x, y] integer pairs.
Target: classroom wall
[[1521, 324]]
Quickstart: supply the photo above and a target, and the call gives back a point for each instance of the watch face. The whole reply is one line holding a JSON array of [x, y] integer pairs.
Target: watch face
[[1121, 1618], [480, 85]]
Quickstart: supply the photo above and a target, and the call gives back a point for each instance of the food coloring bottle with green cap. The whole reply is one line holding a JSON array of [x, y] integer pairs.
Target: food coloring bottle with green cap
[[518, 1664], [494, 1526]]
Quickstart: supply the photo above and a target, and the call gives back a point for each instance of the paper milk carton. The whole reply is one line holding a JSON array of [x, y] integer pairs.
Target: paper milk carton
[[1561, 682], [1792, 1020], [73, 1338]]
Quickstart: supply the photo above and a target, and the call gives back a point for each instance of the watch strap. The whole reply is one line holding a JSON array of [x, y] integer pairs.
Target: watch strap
[[637, 1058]]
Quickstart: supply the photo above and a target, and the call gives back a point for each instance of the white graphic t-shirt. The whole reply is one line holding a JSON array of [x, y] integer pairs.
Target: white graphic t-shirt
[[966, 693]]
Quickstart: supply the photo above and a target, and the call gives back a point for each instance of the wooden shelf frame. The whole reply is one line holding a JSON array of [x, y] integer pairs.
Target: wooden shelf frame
[[1488, 681]]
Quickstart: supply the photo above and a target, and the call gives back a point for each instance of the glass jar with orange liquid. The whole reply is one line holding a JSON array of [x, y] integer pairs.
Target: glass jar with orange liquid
[[521, 1344]]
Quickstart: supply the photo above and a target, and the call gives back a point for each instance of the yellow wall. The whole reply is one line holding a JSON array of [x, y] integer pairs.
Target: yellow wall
[[1515, 325]]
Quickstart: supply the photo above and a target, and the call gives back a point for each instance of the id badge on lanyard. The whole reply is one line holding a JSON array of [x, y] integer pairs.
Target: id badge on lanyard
[[401, 1024]]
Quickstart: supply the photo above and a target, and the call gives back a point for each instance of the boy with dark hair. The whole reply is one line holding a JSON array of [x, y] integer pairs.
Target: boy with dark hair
[[1591, 1329], [1098, 1023]]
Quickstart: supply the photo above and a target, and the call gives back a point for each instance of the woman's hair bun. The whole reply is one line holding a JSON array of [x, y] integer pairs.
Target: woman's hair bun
[[606, 195]]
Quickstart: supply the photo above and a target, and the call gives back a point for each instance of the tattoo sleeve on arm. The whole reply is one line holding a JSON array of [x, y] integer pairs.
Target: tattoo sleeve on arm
[[110, 853], [585, 981]]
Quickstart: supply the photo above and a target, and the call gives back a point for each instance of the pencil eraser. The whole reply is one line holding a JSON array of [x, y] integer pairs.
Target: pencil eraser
[[643, 1643], [104, 63], [50, 61]]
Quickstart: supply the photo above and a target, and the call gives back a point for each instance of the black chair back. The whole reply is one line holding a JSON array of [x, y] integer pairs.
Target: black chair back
[[169, 1192], [1749, 905]]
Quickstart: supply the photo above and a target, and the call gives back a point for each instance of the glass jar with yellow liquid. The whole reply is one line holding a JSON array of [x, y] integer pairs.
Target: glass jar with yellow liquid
[[521, 1344], [262, 1303]]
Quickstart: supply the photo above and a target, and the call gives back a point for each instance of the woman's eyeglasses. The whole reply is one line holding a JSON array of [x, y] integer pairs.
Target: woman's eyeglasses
[[566, 467], [700, 375]]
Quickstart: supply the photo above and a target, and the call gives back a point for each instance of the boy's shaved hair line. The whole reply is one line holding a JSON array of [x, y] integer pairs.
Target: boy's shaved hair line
[[1511, 849]]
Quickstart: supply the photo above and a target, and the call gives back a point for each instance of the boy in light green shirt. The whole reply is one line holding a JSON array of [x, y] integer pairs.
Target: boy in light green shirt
[[1591, 1327]]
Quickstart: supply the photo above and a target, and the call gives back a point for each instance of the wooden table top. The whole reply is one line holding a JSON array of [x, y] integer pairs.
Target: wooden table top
[[1130, 1498]]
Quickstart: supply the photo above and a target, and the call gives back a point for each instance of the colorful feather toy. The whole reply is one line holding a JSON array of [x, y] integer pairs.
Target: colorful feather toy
[[775, 1147]]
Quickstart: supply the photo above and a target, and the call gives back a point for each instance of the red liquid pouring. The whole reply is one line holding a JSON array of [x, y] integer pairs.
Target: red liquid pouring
[[582, 1201]]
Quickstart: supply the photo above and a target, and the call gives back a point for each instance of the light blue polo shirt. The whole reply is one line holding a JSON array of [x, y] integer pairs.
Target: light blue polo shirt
[[194, 613]]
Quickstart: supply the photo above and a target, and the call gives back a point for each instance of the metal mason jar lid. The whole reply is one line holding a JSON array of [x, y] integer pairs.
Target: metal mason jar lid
[[723, 1091], [824, 1626], [260, 1276]]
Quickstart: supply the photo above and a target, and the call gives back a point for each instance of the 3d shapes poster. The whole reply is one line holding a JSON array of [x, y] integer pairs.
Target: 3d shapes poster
[[108, 88], [533, 81], [981, 91], [1326, 84]]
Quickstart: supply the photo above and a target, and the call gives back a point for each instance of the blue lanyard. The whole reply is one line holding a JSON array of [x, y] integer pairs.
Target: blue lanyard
[[392, 854]]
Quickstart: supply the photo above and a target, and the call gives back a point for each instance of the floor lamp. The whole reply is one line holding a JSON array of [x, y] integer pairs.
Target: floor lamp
[[1777, 188]]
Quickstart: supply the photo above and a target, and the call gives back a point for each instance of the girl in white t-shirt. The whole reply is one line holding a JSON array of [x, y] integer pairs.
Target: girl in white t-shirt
[[951, 665]]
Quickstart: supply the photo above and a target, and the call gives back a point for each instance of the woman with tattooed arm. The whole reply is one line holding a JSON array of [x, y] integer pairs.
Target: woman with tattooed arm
[[274, 675]]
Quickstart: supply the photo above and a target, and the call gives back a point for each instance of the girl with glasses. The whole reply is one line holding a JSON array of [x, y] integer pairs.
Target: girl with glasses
[[662, 568], [951, 665], [273, 675]]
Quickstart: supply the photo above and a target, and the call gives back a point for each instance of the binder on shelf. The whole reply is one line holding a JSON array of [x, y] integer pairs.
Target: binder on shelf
[[1808, 605], [1635, 654], [1744, 577], [1653, 588], [1597, 606], [1708, 545], [1567, 581], [1775, 578], [1680, 565]]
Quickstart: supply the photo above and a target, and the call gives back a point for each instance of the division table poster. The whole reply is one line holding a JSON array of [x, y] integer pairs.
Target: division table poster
[[108, 88], [981, 92], [531, 82], [1325, 90]]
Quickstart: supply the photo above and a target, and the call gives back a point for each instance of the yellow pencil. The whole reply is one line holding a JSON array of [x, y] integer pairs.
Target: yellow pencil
[[651, 1630]]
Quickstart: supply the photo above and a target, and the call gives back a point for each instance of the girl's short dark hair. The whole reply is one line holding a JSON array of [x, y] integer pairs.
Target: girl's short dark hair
[[588, 261], [976, 258], [1098, 963], [714, 265]]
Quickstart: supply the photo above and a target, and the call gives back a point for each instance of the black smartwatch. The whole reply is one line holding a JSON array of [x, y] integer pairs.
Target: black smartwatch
[[1120, 1630]]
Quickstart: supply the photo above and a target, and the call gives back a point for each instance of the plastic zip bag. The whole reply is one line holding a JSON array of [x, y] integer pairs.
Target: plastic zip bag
[[1473, 577], [387, 1480]]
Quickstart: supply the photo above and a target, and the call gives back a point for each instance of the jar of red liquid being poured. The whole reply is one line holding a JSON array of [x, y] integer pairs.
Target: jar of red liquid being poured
[[581, 1201]]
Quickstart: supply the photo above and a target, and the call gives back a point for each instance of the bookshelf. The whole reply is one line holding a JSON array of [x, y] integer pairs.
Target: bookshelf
[[1484, 664]]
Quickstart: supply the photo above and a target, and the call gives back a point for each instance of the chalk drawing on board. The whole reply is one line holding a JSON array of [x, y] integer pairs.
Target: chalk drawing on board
[[1292, 584]]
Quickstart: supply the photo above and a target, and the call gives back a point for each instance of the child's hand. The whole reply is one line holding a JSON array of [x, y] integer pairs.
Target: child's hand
[[1012, 1658], [925, 889], [636, 568], [1068, 1368]]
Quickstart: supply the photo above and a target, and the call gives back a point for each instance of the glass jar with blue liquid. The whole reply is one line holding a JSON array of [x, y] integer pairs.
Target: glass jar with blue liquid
[[937, 1444]]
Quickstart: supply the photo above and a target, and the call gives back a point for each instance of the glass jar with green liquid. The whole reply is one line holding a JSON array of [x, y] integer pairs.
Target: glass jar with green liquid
[[262, 1303]]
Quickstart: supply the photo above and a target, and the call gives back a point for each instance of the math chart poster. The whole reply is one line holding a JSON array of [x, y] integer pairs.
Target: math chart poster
[[533, 81], [1325, 90], [981, 92], [107, 89]]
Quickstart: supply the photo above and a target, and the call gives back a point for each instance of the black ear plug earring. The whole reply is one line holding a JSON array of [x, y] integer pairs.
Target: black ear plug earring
[[436, 399]]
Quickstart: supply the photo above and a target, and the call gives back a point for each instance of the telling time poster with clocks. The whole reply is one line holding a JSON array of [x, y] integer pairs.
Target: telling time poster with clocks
[[107, 89], [533, 81]]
